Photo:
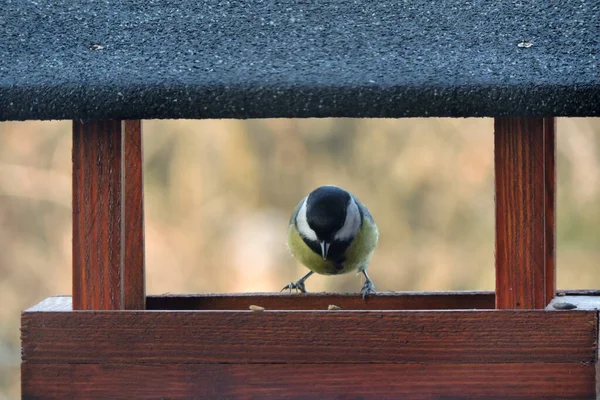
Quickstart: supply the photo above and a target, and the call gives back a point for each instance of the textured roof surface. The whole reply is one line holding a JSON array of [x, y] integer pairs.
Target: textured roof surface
[[87, 59]]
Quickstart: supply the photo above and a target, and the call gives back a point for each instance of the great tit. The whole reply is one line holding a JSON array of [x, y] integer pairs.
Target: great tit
[[332, 233]]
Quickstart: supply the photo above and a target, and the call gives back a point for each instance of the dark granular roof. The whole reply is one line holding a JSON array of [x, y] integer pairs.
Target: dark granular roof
[[119, 59]]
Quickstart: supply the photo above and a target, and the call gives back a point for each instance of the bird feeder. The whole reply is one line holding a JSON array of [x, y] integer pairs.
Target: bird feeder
[[109, 64]]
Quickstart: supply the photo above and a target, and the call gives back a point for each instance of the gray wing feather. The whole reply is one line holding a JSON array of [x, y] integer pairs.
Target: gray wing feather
[[365, 211], [295, 213]]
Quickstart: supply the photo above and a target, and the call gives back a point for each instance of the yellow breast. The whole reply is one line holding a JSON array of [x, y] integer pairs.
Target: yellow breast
[[358, 254]]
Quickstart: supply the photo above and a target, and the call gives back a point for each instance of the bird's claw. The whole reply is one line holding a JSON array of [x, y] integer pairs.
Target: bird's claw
[[298, 286], [367, 289]]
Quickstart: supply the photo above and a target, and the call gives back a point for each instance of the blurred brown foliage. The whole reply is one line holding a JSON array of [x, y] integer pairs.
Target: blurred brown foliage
[[219, 193]]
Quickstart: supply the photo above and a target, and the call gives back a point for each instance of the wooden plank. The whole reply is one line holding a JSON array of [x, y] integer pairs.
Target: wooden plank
[[108, 226], [590, 303], [305, 381], [482, 300], [584, 292], [310, 301], [525, 209], [493, 336], [97, 215], [597, 380], [133, 222], [55, 303], [549, 162], [320, 301], [597, 351]]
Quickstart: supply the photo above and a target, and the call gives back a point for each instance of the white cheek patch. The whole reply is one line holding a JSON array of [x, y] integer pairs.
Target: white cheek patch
[[352, 223], [302, 224]]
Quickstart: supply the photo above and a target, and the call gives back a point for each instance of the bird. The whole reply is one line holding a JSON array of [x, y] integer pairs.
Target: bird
[[331, 233]]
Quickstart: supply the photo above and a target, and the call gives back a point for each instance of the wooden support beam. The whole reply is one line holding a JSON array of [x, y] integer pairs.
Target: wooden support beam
[[525, 212], [108, 259], [392, 301], [313, 337], [310, 381], [133, 264], [321, 301]]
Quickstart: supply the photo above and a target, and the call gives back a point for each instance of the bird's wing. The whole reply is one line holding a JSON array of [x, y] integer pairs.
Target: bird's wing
[[364, 210], [295, 213]]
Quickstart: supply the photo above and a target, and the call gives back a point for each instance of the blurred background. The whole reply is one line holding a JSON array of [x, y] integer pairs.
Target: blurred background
[[218, 196]]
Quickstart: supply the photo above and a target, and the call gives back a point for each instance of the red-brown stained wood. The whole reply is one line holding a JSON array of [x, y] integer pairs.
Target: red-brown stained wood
[[598, 357], [133, 222], [97, 213], [306, 381], [525, 209], [108, 219], [550, 205], [597, 379], [320, 301], [493, 336], [482, 300]]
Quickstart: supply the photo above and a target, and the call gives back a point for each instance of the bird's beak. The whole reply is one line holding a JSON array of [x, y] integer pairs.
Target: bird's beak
[[324, 249]]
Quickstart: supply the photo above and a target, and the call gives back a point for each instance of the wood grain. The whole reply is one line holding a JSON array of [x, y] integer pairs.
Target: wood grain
[[133, 222], [494, 336], [97, 215], [598, 379], [341, 381], [597, 345], [525, 209], [320, 301], [108, 218], [550, 206]]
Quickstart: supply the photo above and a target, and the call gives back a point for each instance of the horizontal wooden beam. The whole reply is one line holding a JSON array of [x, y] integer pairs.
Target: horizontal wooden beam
[[321, 301], [277, 381], [309, 301], [492, 336], [458, 300], [572, 302]]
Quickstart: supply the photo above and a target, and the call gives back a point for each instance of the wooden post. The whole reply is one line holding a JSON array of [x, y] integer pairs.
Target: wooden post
[[108, 237], [525, 212], [134, 279]]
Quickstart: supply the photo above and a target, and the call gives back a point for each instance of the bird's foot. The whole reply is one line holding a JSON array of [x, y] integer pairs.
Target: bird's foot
[[367, 289], [298, 286]]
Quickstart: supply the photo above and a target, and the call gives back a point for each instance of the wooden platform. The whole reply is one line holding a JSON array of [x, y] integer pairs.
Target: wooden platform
[[214, 346]]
